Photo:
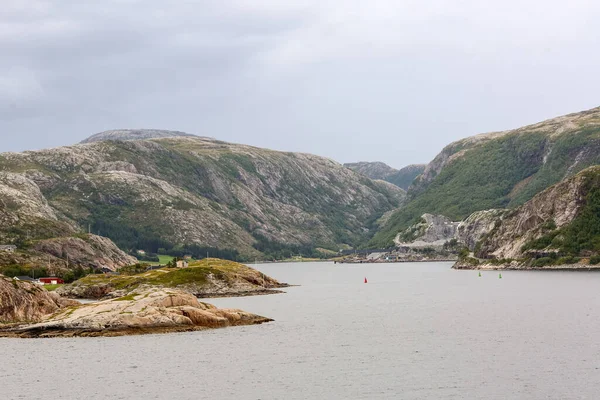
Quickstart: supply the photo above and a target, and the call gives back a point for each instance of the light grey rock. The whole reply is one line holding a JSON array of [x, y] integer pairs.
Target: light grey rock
[[432, 231], [478, 225], [135, 134]]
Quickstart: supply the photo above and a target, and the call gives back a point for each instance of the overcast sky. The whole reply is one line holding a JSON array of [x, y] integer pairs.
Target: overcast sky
[[349, 79]]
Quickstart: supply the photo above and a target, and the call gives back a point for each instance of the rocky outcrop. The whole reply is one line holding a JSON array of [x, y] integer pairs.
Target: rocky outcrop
[[134, 134], [557, 206], [477, 226], [163, 300], [557, 229], [433, 231], [27, 302], [87, 250], [24, 207], [151, 311], [206, 278]]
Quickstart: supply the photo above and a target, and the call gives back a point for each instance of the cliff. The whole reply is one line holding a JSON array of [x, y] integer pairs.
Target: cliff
[[557, 228], [27, 302]]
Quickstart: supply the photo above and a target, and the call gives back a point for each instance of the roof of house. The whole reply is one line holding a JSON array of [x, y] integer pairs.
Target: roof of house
[[24, 278]]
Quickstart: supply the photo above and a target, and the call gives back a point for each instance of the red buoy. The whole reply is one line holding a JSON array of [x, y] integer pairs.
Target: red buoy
[[366, 280]]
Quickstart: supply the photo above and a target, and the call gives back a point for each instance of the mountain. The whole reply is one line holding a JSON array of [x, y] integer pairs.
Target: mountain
[[405, 177], [558, 227], [134, 134], [498, 170], [373, 170], [189, 195], [377, 170]]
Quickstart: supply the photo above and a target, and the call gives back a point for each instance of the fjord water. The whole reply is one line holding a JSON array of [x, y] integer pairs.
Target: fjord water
[[415, 331]]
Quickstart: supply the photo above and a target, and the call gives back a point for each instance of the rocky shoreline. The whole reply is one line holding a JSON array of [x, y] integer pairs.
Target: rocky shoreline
[[515, 266], [148, 312], [157, 301]]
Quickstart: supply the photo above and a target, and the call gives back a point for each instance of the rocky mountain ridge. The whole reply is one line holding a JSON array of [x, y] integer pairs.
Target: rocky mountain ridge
[[190, 193], [135, 134]]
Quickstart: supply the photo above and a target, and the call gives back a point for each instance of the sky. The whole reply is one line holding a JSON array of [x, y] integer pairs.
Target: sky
[[353, 80]]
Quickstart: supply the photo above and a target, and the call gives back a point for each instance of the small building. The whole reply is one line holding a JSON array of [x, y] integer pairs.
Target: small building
[[8, 248], [24, 279], [182, 264], [52, 281]]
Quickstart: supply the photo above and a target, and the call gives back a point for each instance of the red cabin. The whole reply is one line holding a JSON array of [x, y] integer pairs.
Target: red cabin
[[52, 281]]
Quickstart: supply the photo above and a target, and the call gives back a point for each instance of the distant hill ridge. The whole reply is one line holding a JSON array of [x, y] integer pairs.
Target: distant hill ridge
[[185, 194], [136, 134], [402, 178]]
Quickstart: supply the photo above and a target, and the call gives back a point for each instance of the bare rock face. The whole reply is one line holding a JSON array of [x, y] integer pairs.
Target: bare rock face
[[134, 134], [27, 302], [151, 311], [558, 205], [478, 225], [87, 250], [432, 231], [22, 198]]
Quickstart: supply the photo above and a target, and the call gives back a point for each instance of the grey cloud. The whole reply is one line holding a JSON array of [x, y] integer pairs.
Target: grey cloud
[[353, 80]]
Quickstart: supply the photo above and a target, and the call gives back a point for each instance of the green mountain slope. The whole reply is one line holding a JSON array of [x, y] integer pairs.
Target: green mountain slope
[[193, 195], [405, 177], [498, 170]]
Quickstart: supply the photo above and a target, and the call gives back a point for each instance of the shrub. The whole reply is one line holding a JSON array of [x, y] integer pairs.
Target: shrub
[[542, 262], [567, 260], [595, 260]]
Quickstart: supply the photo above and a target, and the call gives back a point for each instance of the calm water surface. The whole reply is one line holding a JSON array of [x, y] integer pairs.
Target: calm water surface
[[415, 331]]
